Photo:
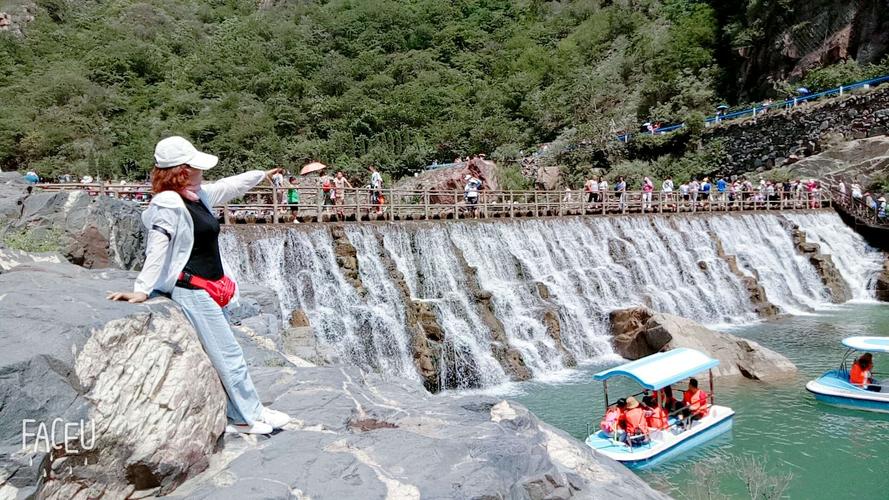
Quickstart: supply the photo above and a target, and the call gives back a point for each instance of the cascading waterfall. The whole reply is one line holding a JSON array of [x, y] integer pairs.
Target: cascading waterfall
[[575, 270], [856, 261], [427, 260], [301, 267], [764, 249]]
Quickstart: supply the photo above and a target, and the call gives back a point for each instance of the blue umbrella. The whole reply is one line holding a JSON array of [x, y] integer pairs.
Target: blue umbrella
[[722, 106], [802, 90]]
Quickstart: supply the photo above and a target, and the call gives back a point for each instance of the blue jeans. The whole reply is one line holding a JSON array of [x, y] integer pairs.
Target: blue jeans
[[224, 352]]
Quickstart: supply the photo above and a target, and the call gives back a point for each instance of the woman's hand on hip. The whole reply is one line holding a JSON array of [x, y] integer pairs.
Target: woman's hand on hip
[[131, 297]]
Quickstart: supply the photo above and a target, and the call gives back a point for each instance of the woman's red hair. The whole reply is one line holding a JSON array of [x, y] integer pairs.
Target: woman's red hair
[[169, 179]]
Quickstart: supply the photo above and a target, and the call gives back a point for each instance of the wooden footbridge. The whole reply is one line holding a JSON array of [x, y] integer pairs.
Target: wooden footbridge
[[268, 205]]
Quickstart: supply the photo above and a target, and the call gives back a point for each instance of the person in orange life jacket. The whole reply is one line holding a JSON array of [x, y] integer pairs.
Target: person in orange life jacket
[[655, 415], [182, 262], [695, 401], [635, 423], [860, 373]]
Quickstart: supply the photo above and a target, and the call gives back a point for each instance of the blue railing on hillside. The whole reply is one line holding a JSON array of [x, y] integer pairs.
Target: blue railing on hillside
[[756, 110]]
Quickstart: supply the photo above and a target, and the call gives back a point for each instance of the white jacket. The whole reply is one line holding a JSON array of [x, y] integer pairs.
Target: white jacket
[[171, 230]]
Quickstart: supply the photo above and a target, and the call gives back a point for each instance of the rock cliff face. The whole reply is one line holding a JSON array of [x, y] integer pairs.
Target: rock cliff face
[[757, 293], [812, 35], [12, 189], [639, 332], [139, 374]]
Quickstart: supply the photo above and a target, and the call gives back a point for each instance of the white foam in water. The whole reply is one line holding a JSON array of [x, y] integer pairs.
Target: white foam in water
[[589, 266]]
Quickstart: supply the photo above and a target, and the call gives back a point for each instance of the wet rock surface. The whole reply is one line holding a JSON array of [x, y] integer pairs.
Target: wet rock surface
[[824, 266], [882, 283], [638, 332], [755, 291]]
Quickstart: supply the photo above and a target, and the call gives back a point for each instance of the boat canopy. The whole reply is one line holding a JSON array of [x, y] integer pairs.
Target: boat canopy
[[662, 369], [875, 344]]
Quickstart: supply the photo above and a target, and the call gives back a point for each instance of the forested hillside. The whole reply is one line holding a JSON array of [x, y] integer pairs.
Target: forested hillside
[[91, 85]]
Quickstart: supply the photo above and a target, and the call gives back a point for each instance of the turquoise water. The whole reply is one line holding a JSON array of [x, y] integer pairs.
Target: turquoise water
[[829, 452]]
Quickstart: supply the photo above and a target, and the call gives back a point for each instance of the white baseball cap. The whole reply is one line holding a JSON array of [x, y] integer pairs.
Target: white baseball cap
[[175, 151]]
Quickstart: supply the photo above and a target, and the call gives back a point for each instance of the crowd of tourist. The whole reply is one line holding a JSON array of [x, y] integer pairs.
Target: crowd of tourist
[[873, 203], [724, 193]]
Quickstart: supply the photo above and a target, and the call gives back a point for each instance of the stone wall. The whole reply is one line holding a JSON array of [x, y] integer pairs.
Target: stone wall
[[782, 137]]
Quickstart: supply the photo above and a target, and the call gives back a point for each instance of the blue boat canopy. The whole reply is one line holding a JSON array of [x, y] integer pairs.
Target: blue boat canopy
[[662, 369], [874, 344]]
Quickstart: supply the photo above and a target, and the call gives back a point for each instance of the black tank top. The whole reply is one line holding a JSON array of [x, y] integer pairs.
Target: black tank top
[[204, 260]]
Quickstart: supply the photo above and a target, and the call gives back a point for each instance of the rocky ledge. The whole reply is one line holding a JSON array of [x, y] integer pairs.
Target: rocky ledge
[[881, 287], [638, 332], [146, 417]]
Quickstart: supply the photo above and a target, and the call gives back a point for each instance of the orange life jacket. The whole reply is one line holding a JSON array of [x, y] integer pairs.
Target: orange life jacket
[[857, 375], [697, 402], [658, 418], [636, 421]]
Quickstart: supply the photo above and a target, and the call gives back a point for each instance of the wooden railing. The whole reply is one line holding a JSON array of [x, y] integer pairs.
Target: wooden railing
[[858, 208], [269, 205]]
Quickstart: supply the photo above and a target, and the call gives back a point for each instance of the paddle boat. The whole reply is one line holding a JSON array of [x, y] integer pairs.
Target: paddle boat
[[835, 389], [654, 373]]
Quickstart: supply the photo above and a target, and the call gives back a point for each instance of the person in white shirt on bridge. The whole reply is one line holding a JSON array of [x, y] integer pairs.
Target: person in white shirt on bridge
[[667, 189], [603, 189]]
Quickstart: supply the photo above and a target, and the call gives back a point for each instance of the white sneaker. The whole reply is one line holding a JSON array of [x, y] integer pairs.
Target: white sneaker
[[274, 418], [256, 428]]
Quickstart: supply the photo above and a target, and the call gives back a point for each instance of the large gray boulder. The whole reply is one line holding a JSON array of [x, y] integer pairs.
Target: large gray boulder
[[450, 179], [127, 372], [638, 332], [859, 160], [93, 232], [358, 436]]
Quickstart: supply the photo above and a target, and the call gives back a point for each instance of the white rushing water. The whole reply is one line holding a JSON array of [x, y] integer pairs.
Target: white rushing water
[[859, 263], [587, 267]]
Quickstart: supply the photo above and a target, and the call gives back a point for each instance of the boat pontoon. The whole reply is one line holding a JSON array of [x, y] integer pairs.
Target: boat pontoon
[[835, 389], [653, 373]]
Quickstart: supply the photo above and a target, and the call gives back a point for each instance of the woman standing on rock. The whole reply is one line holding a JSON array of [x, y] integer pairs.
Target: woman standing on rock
[[182, 261]]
